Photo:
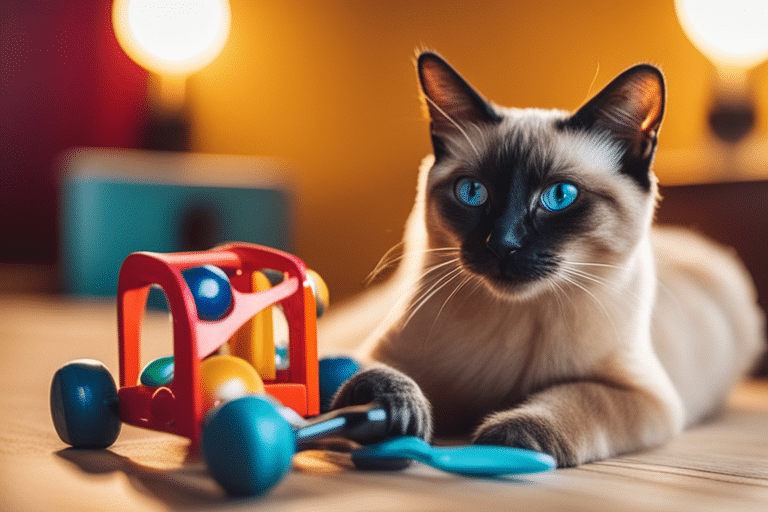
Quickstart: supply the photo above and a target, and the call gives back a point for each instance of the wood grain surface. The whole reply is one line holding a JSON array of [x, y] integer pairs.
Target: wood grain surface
[[720, 465]]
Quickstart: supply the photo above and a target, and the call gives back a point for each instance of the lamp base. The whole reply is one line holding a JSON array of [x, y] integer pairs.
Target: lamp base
[[166, 132], [731, 119], [733, 112]]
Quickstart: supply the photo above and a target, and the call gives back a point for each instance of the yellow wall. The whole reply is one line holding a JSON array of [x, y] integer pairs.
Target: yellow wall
[[330, 87]]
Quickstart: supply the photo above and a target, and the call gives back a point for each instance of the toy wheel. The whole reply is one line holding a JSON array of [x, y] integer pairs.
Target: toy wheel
[[84, 404], [247, 446]]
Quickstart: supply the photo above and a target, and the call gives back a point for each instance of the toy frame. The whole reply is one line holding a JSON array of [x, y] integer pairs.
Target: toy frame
[[178, 407]]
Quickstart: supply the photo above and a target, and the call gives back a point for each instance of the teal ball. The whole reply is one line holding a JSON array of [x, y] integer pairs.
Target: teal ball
[[247, 446]]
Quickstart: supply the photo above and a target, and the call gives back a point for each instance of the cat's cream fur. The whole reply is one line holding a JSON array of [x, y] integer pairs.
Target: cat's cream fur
[[641, 332]]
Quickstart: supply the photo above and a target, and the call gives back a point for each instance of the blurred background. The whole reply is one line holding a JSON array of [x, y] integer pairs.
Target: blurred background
[[329, 90]]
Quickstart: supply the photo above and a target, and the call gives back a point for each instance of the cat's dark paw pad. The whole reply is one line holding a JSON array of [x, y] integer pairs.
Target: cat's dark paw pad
[[530, 432], [408, 409]]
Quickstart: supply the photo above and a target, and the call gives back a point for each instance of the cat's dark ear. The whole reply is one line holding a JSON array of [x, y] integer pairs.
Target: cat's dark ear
[[452, 103], [630, 110]]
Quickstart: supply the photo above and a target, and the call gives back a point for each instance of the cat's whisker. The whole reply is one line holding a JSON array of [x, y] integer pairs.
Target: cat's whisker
[[574, 275], [608, 316], [588, 264], [585, 276], [453, 122], [435, 249], [436, 287], [440, 265], [390, 259], [385, 261], [558, 293], [594, 298], [478, 286], [436, 282], [589, 277], [464, 281], [607, 283], [402, 306], [431, 270], [479, 131]]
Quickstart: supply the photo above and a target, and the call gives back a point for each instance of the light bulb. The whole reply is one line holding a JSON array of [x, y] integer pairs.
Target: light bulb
[[731, 33], [171, 37]]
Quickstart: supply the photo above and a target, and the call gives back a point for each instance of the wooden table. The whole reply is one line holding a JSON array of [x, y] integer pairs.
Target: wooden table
[[722, 465]]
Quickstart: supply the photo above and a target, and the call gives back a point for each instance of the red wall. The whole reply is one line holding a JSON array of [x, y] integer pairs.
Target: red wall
[[64, 82]]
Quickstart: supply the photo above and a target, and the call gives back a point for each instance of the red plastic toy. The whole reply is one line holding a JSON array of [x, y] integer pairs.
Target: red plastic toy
[[178, 407]]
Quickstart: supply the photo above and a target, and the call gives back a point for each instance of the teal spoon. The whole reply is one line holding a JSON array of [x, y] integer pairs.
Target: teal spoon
[[472, 460]]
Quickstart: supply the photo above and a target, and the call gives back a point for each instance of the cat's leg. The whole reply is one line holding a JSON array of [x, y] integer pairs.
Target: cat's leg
[[408, 409], [583, 421]]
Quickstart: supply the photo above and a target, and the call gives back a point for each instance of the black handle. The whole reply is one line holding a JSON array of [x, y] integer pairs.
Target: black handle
[[364, 424]]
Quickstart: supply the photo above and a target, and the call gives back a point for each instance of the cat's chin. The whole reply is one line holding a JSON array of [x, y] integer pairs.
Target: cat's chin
[[512, 290], [513, 284]]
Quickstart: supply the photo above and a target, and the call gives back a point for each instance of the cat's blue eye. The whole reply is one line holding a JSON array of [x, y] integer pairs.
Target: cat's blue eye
[[471, 192], [559, 196]]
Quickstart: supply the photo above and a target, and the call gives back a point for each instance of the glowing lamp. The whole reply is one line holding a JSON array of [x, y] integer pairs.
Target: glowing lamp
[[172, 39], [733, 35]]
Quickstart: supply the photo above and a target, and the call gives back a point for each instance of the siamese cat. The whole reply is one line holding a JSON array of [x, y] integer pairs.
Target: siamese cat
[[534, 305]]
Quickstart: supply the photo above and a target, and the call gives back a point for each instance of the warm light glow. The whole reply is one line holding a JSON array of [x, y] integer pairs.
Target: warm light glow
[[729, 32], [171, 37]]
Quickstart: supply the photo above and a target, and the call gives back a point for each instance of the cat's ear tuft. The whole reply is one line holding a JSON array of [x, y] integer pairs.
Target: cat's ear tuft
[[452, 103], [629, 109]]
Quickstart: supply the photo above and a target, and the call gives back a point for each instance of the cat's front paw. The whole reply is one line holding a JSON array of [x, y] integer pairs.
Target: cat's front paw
[[409, 411], [532, 432]]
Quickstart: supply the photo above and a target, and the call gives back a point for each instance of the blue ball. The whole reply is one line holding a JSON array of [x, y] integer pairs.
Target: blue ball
[[334, 371], [211, 289], [84, 404], [247, 446]]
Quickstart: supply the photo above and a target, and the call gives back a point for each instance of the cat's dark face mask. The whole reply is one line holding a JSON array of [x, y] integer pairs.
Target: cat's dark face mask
[[510, 212]]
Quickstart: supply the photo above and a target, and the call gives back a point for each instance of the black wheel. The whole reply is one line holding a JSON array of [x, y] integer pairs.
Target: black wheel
[[84, 404]]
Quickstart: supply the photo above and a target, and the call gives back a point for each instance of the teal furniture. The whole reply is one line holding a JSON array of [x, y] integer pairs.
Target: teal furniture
[[115, 202]]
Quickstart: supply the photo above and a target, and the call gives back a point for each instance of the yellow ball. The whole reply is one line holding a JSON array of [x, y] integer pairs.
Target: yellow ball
[[224, 378], [320, 290]]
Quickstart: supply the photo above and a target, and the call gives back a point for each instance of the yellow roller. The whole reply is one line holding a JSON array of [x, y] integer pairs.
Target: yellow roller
[[224, 378], [254, 341], [320, 291]]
